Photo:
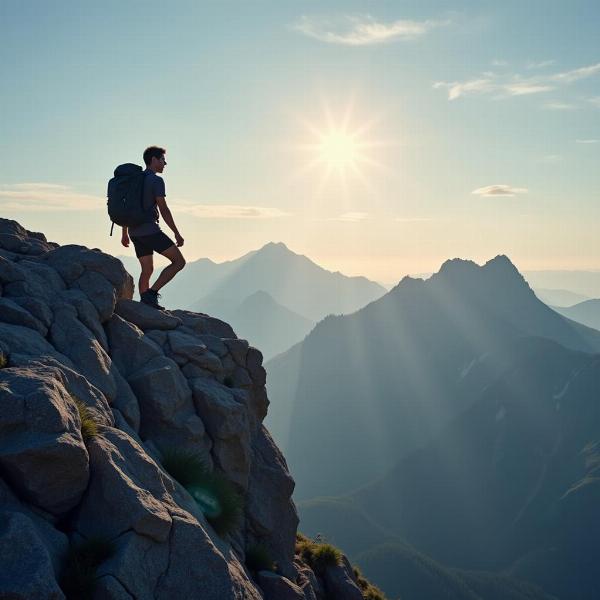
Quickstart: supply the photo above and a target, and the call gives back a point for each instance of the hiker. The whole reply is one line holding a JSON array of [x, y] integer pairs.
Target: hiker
[[148, 237]]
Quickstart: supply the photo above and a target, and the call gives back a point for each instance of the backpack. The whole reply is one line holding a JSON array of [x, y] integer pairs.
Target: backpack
[[125, 194]]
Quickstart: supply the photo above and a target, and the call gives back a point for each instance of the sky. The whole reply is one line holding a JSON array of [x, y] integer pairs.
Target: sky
[[377, 138]]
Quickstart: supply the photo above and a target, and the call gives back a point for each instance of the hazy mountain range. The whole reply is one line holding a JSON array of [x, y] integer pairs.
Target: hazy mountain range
[[293, 294], [587, 312], [372, 386]]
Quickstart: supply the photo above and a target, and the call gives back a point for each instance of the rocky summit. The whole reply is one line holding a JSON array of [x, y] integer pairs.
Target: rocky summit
[[107, 409]]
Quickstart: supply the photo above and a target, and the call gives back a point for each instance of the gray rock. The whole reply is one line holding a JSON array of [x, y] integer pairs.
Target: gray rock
[[110, 588], [226, 421], [126, 402], [144, 316], [42, 454], [37, 280], [241, 379], [340, 582], [11, 312], [130, 349], [276, 587], [10, 271], [166, 408], [270, 512], [184, 345], [238, 349], [56, 543], [254, 360], [126, 490], [72, 261], [214, 344], [100, 292], [72, 338], [203, 324], [27, 570], [44, 273], [86, 313], [191, 370], [38, 308], [158, 336], [308, 582]]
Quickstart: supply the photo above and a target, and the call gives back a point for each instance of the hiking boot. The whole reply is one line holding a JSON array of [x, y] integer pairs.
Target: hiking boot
[[150, 297]]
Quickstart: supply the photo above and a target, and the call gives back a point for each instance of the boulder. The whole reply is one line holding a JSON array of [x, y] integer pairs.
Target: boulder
[[26, 566], [130, 349], [99, 291], [238, 350], [38, 308], [226, 421], [340, 582], [126, 490], [86, 313], [167, 414], [270, 512], [72, 261], [276, 587], [72, 338], [11, 312], [144, 316], [203, 324], [126, 402], [42, 454]]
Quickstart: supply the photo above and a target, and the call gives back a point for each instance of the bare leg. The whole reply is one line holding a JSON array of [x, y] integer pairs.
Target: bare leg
[[177, 263], [147, 269]]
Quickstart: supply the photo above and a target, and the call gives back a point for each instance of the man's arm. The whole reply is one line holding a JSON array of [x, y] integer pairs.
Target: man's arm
[[124, 237], [168, 218]]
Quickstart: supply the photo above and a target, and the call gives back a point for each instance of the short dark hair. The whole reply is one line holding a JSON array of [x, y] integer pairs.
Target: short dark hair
[[151, 151]]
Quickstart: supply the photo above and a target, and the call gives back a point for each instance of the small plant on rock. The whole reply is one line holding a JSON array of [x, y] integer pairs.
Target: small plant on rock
[[3, 360], [79, 577], [258, 558], [89, 427], [215, 495], [318, 555], [369, 591]]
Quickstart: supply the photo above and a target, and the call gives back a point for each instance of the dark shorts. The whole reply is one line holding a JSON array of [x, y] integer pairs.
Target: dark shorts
[[145, 245]]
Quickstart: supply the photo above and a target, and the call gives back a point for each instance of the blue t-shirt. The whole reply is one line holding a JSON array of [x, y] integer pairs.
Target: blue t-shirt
[[153, 186]]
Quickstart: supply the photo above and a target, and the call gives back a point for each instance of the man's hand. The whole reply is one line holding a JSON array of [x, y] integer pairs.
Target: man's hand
[[125, 240], [179, 240]]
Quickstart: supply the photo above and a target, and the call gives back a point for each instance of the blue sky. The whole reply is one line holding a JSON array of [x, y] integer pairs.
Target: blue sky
[[475, 126]]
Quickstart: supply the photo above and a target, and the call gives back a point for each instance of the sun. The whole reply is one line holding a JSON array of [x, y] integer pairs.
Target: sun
[[338, 149]]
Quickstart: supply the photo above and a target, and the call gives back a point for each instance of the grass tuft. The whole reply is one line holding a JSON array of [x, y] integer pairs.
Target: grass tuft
[[221, 504], [89, 427], [3, 360], [318, 555], [79, 577], [369, 591], [258, 558]]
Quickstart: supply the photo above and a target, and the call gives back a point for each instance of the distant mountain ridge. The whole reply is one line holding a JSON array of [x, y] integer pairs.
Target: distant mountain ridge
[[381, 381]]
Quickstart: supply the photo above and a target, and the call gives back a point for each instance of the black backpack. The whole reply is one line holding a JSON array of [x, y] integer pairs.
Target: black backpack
[[126, 197]]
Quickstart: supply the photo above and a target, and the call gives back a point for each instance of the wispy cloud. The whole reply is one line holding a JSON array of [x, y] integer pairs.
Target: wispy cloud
[[228, 211], [540, 64], [559, 106], [595, 101], [589, 141], [40, 196], [498, 62], [351, 217], [576, 74], [493, 191], [506, 84], [362, 30]]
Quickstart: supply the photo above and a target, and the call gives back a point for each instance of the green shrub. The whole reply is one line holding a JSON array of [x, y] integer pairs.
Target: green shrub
[[3, 360], [217, 498], [369, 591], [79, 577], [318, 555], [89, 427], [258, 558]]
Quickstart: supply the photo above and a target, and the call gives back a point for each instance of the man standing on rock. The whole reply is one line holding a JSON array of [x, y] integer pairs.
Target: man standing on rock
[[148, 238]]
